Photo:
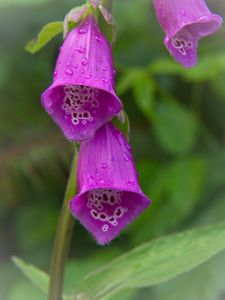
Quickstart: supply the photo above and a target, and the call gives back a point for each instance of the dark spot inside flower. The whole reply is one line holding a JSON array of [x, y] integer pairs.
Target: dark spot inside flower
[[118, 212], [103, 216], [95, 214], [111, 219], [112, 199], [68, 101], [105, 198], [177, 43], [86, 115]]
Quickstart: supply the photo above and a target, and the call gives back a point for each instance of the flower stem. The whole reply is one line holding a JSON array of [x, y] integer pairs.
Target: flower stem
[[63, 236]]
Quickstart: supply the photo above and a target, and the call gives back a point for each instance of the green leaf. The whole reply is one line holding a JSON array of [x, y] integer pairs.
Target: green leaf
[[39, 278], [181, 183], [47, 33], [156, 262], [205, 282], [127, 81], [175, 127], [208, 68], [144, 89], [23, 290]]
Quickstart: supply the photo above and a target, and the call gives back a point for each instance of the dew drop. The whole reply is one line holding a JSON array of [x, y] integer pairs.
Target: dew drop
[[130, 182], [88, 76], [182, 12], [125, 156], [98, 39], [81, 49], [84, 61], [104, 165], [76, 66], [82, 30], [99, 59], [69, 71], [105, 80], [55, 74], [104, 68]]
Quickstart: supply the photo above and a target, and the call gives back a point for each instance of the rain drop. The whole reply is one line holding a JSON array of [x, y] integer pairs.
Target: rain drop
[[104, 68], [82, 30], [81, 49], [84, 61], [104, 165], [69, 71], [125, 156], [88, 76], [98, 39]]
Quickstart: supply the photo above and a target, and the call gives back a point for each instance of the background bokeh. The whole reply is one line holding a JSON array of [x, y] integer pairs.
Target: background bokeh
[[177, 134]]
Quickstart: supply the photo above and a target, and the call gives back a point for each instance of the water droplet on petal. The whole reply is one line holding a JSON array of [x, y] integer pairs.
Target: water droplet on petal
[[126, 156], [69, 71], [98, 39], [99, 59], [88, 76], [82, 30], [104, 165], [104, 68], [105, 80], [130, 182], [84, 61], [76, 66], [81, 49], [182, 12]]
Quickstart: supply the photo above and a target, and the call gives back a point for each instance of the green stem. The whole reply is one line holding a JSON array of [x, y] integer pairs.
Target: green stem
[[108, 4], [63, 237]]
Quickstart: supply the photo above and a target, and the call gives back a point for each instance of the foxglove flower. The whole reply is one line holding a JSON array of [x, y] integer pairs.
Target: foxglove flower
[[109, 194], [185, 23], [82, 97]]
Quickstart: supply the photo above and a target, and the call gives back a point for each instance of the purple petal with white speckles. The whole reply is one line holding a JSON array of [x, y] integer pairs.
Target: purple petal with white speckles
[[185, 22], [109, 196], [82, 97]]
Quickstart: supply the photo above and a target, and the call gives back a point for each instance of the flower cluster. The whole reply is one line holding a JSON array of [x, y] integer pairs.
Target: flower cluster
[[82, 101]]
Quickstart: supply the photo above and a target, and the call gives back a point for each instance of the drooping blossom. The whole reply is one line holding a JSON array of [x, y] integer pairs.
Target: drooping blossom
[[82, 97], [185, 22], [109, 194]]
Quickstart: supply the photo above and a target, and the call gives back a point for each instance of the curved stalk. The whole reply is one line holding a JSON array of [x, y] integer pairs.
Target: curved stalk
[[63, 236]]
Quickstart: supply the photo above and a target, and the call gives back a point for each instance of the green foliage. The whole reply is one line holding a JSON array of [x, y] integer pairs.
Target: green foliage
[[175, 127], [143, 266], [47, 33], [177, 121], [22, 2], [156, 262], [37, 277]]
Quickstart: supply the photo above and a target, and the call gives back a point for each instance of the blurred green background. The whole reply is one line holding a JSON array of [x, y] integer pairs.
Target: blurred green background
[[177, 134]]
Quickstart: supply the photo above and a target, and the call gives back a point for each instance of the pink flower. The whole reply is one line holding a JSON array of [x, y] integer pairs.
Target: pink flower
[[109, 194], [82, 97], [185, 22]]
